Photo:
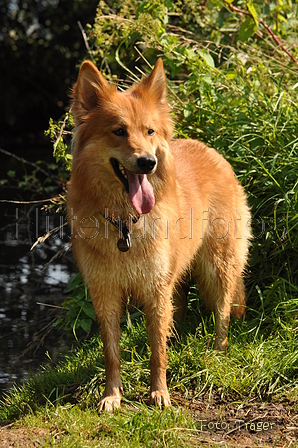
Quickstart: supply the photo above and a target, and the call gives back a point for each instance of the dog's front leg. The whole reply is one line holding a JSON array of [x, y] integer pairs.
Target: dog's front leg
[[109, 319], [158, 318]]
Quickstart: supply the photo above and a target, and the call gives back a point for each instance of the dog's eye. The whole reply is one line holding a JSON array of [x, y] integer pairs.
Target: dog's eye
[[119, 132], [150, 131]]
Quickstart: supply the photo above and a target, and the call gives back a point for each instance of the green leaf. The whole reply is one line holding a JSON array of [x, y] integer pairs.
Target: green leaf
[[247, 29], [207, 79], [187, 112], [242, 117], [253, 12], [86, 324], [191, 54], [169, 4], [89, 310], [57, 322], [52, 166], [74, 282], [207, 58], [80, 295]]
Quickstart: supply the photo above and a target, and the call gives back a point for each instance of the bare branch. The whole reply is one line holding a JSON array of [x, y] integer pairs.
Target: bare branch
[[84, 36], [22, 160], [61, 131], [275, 38], [40, 201]]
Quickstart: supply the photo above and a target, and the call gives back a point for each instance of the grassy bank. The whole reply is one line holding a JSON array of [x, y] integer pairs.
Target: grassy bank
[[234, 88], [255, 382]]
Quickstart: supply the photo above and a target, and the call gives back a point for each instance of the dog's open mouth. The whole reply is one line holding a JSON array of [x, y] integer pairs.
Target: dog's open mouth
[[120, 173], [137, 186]]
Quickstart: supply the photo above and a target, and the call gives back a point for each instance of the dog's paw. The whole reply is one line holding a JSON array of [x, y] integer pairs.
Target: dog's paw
[[109, 403], [160, 398], [220, 345]]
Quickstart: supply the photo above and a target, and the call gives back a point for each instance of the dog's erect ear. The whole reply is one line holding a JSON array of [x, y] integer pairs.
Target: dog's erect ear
[[89, 87], [155, 83]]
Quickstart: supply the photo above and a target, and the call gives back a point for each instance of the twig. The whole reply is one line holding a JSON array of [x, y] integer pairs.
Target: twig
[[61, 131], [275, 38], [50, 305], [22, 160], [245, 423], [115, 17], [84, 36], [267, 28], [41, 201], [235, 9], [143, 57], [38, 339], [59, 254], [44, 237], [181, 30]]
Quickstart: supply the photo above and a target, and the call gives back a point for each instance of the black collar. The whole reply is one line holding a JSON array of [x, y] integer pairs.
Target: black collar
[[123, 243]]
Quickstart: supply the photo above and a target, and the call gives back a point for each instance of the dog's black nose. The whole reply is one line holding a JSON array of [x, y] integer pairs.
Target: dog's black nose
[[146, 164]]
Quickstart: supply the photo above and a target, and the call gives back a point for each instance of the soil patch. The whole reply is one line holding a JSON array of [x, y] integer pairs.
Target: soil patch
[[218, 423], [22, 437], [249, 424]]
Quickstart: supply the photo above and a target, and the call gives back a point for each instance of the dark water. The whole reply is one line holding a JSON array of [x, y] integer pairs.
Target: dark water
[[30, 294]]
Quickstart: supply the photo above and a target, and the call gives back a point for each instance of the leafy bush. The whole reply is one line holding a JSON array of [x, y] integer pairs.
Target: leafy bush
[[233, 89], [80, 312]]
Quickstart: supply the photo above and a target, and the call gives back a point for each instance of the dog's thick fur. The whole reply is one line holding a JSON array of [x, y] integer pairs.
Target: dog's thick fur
[[193, 218]]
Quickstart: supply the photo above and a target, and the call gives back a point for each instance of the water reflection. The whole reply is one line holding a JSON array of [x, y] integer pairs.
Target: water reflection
[[26, 291]]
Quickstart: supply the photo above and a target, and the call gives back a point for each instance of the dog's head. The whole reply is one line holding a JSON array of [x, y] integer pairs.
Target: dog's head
[[127, 132]]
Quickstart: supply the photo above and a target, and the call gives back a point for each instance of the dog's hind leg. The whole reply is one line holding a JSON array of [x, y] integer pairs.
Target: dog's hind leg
[[217, 299], [219, 268], [180, 300], [217, 274], [230, 302]]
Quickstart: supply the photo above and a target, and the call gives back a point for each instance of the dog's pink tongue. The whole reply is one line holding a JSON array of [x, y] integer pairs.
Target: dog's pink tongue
[[140, 193]]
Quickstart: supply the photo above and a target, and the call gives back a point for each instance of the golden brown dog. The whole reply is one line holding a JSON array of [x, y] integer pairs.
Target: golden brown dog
[[144, 211]]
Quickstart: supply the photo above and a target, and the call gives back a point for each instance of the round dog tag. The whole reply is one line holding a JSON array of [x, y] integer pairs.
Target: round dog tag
[[123, 245]]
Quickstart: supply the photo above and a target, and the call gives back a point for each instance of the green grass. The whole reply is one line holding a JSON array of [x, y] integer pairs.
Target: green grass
[[138, 427], [63, 399], [262, 361], [241, 98]]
